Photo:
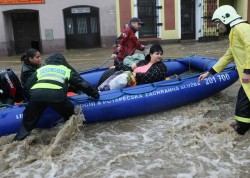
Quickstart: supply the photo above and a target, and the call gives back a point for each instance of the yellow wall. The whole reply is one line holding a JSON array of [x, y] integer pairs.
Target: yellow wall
[[170, 34], [117, 18], [239, 5], [132, 8], [242, 8], [118, 30]]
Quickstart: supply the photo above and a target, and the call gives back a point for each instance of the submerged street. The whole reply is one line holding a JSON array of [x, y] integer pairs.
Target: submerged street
[[195, 140]]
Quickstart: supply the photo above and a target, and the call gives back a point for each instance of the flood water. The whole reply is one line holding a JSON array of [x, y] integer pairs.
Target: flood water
[[191, 141]]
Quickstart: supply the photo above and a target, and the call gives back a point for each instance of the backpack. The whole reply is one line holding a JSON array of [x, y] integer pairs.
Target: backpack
[[10, 86]]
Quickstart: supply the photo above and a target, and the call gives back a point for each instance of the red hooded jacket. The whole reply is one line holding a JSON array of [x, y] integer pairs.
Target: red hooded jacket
[[128, 44]]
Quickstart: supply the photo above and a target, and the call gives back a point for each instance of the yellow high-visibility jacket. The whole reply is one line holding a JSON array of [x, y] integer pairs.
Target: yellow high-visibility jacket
[[56, 73], [238, 52]]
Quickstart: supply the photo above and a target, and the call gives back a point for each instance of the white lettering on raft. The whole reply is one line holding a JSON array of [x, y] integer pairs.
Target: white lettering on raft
[[209, 80], [220, 77], [123, 98], [189, 85], [159, 92], [19, 116], [131, 97]]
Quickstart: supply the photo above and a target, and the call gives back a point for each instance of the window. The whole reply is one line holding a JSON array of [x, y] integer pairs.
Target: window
[[69, 26], [82, 25], [94, 24]]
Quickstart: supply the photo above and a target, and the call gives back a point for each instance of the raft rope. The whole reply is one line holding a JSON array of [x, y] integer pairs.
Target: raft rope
[[106, 61], [180, 80], [154, 86], [210, 59], [5, 106], [96, 68]]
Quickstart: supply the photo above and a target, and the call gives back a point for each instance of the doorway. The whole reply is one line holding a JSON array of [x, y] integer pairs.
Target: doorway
[[147, 12], [187, 19], [82, 28], [26, 31]]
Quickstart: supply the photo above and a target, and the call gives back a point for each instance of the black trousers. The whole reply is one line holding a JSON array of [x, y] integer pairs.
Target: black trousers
[[34, 110], [242, 112]]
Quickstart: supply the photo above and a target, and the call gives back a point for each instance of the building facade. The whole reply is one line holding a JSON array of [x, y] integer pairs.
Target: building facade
[[50, 25], [173, 20]]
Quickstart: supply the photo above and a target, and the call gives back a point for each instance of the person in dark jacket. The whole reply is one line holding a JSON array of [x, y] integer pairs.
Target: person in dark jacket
[[152, 69], [31, 62], [48, 87]]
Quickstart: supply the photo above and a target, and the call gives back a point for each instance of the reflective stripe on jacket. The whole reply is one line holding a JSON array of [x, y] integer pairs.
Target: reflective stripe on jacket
[[52, 77]]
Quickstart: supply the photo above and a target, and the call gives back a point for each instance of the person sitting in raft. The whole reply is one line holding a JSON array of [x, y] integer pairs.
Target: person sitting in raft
[[47, 87], [130, 62], [152, 69], [126, 45], [31, 62]]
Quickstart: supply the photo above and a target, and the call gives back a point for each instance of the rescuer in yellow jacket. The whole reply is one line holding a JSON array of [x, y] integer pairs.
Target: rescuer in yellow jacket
[[48, 87], [238, 52]]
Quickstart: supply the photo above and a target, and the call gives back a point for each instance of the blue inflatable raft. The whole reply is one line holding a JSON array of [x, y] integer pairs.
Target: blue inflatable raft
[[138, 100]]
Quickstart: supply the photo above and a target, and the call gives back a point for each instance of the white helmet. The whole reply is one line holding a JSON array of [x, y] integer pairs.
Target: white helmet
[[225, 14]]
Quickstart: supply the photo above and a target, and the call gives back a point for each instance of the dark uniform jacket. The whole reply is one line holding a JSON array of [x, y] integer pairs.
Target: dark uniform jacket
[[27, 71], [55, 95]]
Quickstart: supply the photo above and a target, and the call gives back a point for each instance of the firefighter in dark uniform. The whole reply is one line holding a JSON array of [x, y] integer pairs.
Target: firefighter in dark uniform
[[48, 87]]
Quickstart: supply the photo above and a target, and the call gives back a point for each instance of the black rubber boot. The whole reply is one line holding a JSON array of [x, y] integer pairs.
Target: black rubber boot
[[21, 134], [240, 127]]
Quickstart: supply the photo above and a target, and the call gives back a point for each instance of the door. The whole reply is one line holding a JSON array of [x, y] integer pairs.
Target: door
[[26, 31], [210, 31], [147, 13], [187, 19], [82, 27]]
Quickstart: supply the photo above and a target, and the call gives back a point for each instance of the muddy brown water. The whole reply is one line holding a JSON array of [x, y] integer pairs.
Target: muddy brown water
[[195, 140]]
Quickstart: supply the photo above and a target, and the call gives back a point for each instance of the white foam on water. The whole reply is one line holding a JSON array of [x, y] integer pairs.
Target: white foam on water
[[158, 163], [191, 173], [123, 173], [190, 141]]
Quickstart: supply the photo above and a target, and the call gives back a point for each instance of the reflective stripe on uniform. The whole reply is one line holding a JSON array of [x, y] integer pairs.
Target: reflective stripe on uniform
[[55, 77], [46, 85], [242, 119], [58, 73]]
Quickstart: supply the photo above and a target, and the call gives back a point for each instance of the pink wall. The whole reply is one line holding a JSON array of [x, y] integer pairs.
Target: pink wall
[[248, 10], [169, 13], [125, 12]]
